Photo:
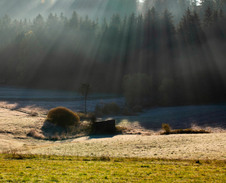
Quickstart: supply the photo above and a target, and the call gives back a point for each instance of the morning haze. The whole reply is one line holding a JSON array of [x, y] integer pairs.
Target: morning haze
[[112, 90]]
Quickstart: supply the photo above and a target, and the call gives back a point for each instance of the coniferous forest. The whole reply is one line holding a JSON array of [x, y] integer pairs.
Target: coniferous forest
[[154, 58]]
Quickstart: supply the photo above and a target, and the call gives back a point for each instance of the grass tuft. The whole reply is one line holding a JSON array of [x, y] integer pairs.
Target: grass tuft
[[15, 154], [167, 130]]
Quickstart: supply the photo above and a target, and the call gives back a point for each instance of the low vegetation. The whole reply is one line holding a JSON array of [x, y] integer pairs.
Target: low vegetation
[[62, 123], [115, 109], [87, 117], [33, 168], [63, 117], [108, 109], [167, 130]]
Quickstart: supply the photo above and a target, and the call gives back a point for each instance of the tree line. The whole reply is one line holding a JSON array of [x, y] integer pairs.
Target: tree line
[[149, 57]]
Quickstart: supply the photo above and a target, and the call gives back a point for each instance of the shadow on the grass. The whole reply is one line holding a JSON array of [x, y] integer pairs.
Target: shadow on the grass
[[102, 136]]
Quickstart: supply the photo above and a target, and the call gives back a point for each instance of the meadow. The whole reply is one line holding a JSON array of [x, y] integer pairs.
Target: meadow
[[145, 63], [30, 168], [143, 155]]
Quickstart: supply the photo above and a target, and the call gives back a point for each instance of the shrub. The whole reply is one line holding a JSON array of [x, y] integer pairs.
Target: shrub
[[35, 134], [186, 131], [108, 109], [63, 117], [111, 108], [121, 129], [87, 117], [50, 129], [166, 128]]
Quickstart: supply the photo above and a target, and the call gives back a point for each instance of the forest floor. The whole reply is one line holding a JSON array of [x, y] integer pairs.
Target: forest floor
[[14, 126]]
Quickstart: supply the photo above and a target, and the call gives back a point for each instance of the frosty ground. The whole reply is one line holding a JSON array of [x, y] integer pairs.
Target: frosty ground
[[14, 126]]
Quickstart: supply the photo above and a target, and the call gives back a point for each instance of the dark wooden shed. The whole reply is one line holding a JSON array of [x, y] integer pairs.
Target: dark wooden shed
[[104, 127]]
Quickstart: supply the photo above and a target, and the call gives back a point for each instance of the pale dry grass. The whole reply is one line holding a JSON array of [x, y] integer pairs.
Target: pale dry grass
[[198, 146], [14, 126], [7, 143], [134, 128], [209, 129], [18, 123], [27, 109]]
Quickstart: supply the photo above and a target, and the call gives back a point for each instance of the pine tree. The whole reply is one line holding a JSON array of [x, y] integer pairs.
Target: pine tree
[[208, 17], [74, 21]]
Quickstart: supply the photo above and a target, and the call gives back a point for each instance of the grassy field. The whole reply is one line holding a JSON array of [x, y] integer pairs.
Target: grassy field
[[207, 152], [14, 168]]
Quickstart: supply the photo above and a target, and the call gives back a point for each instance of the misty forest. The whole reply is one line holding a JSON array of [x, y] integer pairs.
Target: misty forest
[[155, 53], [113, 91]]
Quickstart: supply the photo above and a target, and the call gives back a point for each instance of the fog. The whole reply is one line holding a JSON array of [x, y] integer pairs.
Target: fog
[[93, 8], [154, 52]]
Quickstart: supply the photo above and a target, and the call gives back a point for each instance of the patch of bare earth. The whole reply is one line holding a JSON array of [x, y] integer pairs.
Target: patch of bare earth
[[14, 126]]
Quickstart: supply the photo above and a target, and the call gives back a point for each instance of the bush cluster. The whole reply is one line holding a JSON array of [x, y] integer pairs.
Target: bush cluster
[[63, 117], [108, 109], [167, 130], [87, 117]]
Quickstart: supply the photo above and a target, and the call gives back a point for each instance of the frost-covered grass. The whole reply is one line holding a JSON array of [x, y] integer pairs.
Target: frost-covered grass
[[197, 146], [15, 125], [180, 117], [46, 99], [104, 169]]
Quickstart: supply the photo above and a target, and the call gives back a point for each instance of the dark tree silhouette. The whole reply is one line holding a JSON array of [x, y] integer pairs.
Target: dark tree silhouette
[[84, 90], [182, 53]]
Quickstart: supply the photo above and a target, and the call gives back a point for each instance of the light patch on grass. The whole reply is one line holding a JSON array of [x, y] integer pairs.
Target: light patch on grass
[[15, 125], [198, 146]]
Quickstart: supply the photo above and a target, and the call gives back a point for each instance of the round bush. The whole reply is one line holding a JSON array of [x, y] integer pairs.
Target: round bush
[[63, 117]]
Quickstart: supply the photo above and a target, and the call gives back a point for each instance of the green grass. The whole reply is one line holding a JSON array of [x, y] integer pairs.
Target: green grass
[[104, 169]]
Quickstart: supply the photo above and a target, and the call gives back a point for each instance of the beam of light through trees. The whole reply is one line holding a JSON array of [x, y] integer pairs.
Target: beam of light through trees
[[178, 55]]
